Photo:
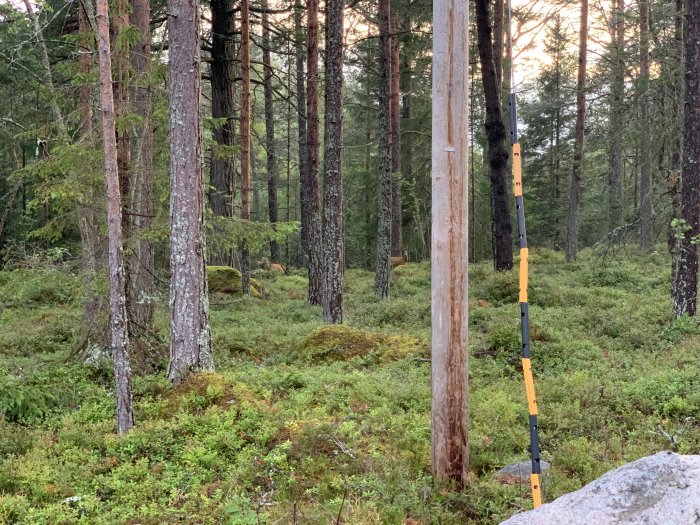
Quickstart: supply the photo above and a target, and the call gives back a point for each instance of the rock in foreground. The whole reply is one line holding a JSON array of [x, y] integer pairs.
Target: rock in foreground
[[662, 489]]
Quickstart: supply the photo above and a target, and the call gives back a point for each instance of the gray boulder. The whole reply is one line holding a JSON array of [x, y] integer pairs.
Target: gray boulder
[[521, 471], [663, 489]]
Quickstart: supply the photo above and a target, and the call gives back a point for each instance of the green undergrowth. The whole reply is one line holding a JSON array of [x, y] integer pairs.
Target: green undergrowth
[[304, 423]]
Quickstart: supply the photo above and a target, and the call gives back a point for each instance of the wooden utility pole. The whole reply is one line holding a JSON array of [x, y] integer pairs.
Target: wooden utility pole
[[450, 416]]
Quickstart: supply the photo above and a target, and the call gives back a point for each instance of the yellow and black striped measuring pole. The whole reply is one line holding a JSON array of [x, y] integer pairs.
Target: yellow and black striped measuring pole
[[524, 313]]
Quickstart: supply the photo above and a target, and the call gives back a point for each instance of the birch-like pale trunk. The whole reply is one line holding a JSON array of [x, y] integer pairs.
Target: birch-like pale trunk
[[333, 229], [190, 335], [449, 257], [117, 283]]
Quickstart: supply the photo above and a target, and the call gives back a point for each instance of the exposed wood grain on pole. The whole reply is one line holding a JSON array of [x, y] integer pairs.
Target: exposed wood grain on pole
[[449, 242]]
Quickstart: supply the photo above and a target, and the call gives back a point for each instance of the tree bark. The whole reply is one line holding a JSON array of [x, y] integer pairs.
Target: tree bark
[[646, 209], [579, 135], [395, 140], [117, 283], [223, 97], [120, 21], [245, 141], [685, 286], [310, 184], [498, 36], [501, 226], [383, 271], [141, 262], [333, 230], [449, 253], [270, 132], [190, 343], [678, 78], [301, 129], [617, 125]]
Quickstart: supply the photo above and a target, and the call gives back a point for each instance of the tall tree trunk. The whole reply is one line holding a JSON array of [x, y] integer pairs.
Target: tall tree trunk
[[678, 78], [270, 133], [646, 210], [501, 226], [223, 97], [90, 239], [617, 125], [395, 141], [383, 271], [245, 141], [120, 54], [685, 286], [190, 340], [117, 283], [579, 135], [301, 128], [498, 37], [449, 257], [333, 231], [310, 185], [141, 263]]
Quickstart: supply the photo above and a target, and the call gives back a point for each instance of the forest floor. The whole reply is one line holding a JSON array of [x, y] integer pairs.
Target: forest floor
[[312, 425]]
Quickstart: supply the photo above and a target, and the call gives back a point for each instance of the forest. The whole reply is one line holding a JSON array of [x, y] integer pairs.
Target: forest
[[267, 262]]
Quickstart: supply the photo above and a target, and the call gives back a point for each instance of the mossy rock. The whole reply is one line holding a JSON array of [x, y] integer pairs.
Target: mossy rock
[[340, 342], [227, 280]]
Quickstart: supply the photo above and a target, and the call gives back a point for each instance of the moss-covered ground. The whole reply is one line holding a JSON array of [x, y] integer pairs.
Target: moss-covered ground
[[312, 425]]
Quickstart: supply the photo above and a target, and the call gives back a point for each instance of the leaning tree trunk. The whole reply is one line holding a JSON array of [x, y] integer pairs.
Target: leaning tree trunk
[[141, 263], [190, 335], [501, 226], [617, 125], [646, 204], [117, 283], [270, 132], [579, 135], [383, 272], [310, 185], [301, 127], [685, 286], [333, 241], [223, 96], [245, 142], [395, 141]]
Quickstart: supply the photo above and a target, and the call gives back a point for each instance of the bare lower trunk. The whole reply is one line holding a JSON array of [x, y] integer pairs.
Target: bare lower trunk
[[141, 263], [617, 110], [333, 241], [579, 135], [190, 344], [646, 209], [685, 285], [383, 272], [395, 141], [501, 226], [673, 182], [245, 141], [223, 95], [313, 219], [117, 284], [301, 128], [270, 134]]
